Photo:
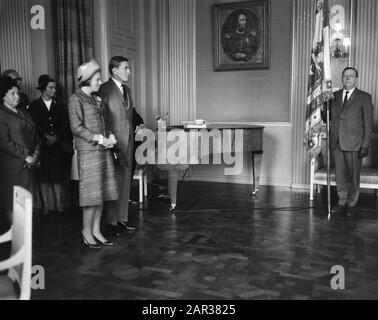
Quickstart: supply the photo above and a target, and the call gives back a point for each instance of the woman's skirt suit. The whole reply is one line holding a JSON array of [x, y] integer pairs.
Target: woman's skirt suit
[[97, 180]]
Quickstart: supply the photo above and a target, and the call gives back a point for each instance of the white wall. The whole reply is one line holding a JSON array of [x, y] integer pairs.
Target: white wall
[[251, 96], [276, 167]]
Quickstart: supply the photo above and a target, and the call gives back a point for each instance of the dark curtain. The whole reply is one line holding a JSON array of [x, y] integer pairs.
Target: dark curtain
[[73, 41], [73, 46]]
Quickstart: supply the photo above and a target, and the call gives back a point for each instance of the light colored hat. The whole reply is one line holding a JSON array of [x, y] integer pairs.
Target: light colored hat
[[87, 70]]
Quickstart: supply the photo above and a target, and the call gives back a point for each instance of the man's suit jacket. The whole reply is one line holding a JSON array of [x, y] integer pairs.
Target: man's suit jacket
[[24, 101], [352, 125], [119, 119], [137, 119]]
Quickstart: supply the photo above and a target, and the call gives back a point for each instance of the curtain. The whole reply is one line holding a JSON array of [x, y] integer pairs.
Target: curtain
[[73, 46], [303, 33], [365, 53], [73, 41], [15, 41], [364, 58]]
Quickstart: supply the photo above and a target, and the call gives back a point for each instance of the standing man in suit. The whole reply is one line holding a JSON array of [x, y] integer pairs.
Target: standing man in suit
[[119, 114], [351, 129]]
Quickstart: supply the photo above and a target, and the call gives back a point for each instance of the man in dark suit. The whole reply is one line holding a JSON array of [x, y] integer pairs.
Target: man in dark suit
[[351, 129], [119, 114]]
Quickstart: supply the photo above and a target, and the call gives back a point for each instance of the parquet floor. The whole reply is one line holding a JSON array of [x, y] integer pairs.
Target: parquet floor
[[219, 244]]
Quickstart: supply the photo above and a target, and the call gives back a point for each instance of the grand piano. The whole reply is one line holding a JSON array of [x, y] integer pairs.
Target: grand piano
[[227, 142]]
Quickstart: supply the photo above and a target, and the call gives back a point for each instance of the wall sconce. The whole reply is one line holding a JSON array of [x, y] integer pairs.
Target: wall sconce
[[341, 44]]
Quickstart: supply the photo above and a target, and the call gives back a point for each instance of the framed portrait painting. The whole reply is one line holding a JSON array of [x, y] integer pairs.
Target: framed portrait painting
[[241, 35]]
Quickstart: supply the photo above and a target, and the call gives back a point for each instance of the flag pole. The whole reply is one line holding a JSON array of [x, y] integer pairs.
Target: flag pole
[[328, 83], [328, 160]]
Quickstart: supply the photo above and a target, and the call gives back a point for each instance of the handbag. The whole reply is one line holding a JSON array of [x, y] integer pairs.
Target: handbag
[[116, 154], [75, 167], [74, 164]]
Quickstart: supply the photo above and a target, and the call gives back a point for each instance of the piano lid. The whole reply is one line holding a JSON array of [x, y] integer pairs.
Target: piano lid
[[220, 126]]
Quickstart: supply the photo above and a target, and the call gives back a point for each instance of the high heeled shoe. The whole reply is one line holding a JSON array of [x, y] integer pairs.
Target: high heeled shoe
[[106, 243], [89, 245]]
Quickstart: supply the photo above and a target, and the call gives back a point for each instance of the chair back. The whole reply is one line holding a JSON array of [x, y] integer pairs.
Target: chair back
[[22, 240], [322, 158]]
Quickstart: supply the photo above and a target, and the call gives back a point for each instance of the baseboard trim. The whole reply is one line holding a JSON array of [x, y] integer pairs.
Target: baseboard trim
[[301, 186], [242, 180]]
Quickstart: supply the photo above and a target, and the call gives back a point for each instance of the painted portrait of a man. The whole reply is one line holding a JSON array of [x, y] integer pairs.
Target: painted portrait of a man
[[241, 36]]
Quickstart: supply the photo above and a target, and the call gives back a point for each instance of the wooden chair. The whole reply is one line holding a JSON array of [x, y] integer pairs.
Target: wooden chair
[[16, 284]]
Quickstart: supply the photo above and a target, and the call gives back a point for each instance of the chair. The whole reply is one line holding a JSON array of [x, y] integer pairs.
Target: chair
[[141, 175], [17, 283], [318, 170]]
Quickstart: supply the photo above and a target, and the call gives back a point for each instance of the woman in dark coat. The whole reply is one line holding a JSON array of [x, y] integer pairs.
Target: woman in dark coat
[[52, 124], [97, 180], [19, 147]]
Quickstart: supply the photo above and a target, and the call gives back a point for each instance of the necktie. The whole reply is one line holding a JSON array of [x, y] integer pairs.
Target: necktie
[[125, 96], [345, 99]]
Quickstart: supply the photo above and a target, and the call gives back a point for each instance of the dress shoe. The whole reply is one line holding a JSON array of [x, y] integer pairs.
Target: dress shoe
[[106, 243], [88, 244], [113, 230], [126, 226], [340, 210], [133, 203]]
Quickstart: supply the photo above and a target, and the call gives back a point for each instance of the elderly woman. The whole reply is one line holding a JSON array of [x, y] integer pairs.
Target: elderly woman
[[97, 182], [19, 147], [51, 120]]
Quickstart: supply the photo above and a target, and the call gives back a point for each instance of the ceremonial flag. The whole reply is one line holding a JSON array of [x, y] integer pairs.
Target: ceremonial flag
[[320, 78]]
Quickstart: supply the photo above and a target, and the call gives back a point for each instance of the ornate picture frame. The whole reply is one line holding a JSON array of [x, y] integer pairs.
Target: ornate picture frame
[[241, 35]]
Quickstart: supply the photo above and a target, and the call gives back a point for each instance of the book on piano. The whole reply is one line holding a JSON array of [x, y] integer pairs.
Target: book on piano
[[197, 124]]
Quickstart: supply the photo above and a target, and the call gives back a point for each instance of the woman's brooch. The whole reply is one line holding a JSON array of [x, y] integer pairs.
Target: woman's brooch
[[98, 101]]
